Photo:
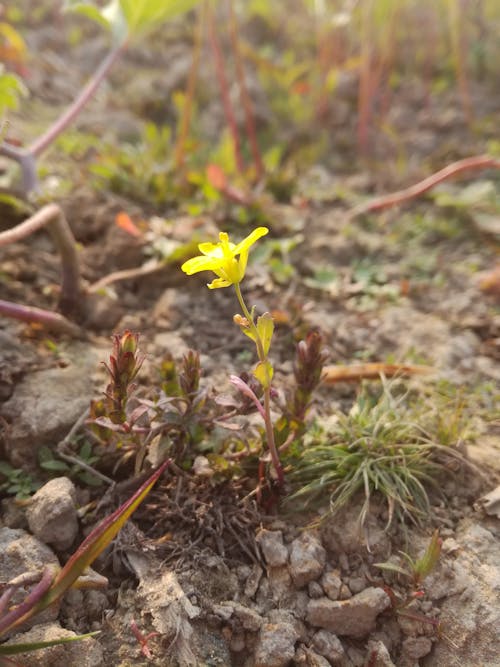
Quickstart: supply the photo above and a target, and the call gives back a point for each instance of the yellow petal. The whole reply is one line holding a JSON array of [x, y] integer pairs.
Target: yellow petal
[[250, 239], [199, 263], [211, 249], [219, 282]]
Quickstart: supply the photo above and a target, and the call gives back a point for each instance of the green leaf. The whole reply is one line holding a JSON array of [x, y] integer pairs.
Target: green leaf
[[265, 328], [14, 649], [264, 373], [391, 567], [54, 465], [11, 89], [143, 15], [89, 10]]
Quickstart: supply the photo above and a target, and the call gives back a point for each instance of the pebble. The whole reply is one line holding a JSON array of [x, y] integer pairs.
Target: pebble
[[52, 513], [307, 559], [275, 645], [271, 544], [355, 617]]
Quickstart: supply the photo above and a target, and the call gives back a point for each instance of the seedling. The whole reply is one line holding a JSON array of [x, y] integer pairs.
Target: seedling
[[228, 261], [17, 482], [417, 570]]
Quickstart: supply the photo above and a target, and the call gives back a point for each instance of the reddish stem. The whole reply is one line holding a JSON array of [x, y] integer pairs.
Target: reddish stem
[[224, 90], [51, 216], [245, 97], [185, 121], [50, 135], [401, 196], [47, 318]]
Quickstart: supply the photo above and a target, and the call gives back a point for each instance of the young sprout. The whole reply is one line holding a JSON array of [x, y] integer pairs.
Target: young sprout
[[229, 261]]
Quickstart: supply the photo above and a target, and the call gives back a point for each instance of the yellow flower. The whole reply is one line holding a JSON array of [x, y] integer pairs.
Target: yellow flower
[[222, 258]]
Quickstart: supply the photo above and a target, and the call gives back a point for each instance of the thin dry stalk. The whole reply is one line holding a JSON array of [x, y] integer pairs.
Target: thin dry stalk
[[52, 217], [402, 196]]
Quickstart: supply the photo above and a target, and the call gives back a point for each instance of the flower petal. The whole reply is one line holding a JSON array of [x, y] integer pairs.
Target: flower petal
[[219, 282], [200, 263], [250, 239], [211, 249]]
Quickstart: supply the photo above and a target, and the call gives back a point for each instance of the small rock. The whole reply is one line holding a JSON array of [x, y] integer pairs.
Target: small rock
[[345, 592], [253, 581], [354, 618], [84, 653], [271, 543], [328, 645], [280, 583], [357, 584], [331, 583], [308, 657], [47, 403], [378, 655], [52, 513], [275, 645], [307, 559], [20, 552], [417, 647], [315, 590], [12, 515], [249, 618]]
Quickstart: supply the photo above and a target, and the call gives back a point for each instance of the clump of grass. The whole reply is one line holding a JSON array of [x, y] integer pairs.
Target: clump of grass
[[379, 447]]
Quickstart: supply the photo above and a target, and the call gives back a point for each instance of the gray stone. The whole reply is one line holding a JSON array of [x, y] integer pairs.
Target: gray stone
[[328, 645], [378, 655], [315, 590], [355, 617], [253, 581], [84, 653], [249, 618], [307, 559], [271, 544], [280, 583], [275, 645], [357, 584], [470, 613], [308, 657], [47, 403], [332, 584], [417, 647], [52, 513], [20, 552]]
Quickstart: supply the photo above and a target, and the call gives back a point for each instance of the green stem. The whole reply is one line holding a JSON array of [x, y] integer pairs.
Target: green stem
[[267, 389]]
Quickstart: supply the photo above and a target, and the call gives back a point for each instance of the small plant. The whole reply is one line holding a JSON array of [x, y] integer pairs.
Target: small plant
[[377, 447], [417, 570], [17, 482], [50, 462], [228, 261]]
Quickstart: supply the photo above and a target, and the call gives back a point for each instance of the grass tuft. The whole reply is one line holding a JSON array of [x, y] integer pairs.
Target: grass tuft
[[380, 447]]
